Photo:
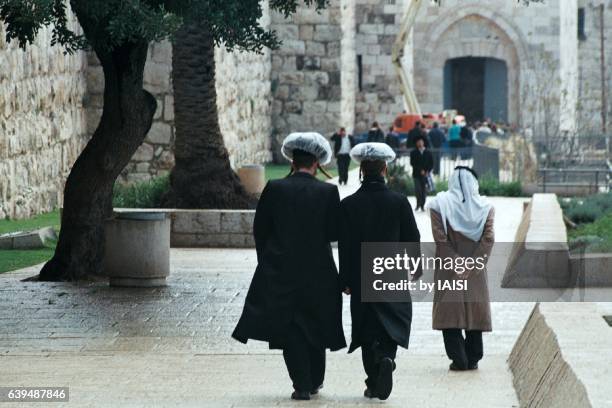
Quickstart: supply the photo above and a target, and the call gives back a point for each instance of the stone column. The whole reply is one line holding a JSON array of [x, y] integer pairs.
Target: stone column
[[348, 63], [568, 65]]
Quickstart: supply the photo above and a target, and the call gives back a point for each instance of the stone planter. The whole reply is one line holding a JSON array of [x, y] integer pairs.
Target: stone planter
[[253, 178], [138, 248]]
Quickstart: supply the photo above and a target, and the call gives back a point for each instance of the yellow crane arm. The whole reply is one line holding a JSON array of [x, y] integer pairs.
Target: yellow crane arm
[[410, 100]]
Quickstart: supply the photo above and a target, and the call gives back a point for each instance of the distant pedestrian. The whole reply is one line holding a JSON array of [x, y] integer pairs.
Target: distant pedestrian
[[437, 138], [392, 139], [454, 135], [462, 226], [376, 134], [343, 144], [421, 161], [414, 133]]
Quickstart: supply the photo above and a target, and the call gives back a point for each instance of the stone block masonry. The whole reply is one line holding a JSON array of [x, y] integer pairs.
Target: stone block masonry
[[42, 123], [306, 72], [50, 103], [212, 228]]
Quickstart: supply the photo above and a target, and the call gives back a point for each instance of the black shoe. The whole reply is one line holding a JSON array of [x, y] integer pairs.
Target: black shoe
[[300, 395], [369, 393], [316, 390], [473, 366], [455, 367], [384, 382]]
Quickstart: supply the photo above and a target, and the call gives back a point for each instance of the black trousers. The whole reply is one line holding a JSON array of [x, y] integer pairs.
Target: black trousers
[[420, 190], [463, 351], [305, 363], [376, 345], [344, 160]]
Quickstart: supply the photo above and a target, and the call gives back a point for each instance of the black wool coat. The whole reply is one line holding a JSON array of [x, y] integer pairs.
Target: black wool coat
[[374, 214], [296, 280]]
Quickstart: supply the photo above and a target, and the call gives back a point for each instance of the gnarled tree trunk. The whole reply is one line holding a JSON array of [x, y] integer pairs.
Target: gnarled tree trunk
[[202, 176], [126, 119]]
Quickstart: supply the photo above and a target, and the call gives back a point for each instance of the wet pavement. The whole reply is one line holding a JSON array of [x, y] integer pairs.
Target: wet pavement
[[172, 347]]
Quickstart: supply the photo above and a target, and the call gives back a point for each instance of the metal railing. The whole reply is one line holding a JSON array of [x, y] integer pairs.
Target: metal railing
[[591, 180], [484, 160]]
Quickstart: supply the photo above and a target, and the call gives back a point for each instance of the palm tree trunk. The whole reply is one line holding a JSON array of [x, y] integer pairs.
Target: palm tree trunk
[[202, 176]]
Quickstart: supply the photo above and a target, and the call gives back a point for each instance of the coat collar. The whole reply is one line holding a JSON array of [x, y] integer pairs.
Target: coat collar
[[302, 174], [373, 184]]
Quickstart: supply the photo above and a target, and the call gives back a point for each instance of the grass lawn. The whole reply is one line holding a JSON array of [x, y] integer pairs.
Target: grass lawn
[[17, 259], [276, 171], [51, 219]]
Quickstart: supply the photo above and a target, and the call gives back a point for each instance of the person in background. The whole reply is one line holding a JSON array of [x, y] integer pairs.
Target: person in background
[[454, 135], [343, 144], [295, 300], [414, 134], [466, 135], [392, 139], [421, 161], [375, 214], [437, 138], [376, 134], [483, 132], [462, 225]]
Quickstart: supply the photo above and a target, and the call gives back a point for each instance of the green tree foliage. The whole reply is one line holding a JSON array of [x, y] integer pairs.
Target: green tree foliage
[[110, 23]]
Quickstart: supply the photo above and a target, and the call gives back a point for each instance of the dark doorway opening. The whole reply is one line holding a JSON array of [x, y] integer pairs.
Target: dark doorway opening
[[477, 88]]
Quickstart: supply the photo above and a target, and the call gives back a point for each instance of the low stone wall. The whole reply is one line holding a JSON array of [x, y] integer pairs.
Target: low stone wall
[[212, 228], [591, 270], [562, 358], [540, 255], [207, 228]]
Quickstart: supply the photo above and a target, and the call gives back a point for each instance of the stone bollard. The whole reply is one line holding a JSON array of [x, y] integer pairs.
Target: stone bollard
[[253, 178], [138, 249]]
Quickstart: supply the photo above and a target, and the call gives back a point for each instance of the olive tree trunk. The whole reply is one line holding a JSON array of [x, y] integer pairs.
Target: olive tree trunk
[[202, 176], [126, 119]]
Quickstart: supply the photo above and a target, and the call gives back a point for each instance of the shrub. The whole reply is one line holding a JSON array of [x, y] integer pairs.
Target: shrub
[[145, 194], [492, 187], [399, 180], [587, 209], [593, 237]]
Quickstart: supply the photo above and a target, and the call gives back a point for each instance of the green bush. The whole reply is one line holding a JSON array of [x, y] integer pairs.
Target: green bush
[[492, 187], [587, 209], [593, 237], [399, 180], [145, 194]]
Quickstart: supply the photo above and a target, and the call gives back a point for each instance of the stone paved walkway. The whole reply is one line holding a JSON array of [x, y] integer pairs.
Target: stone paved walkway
[[160, 347]]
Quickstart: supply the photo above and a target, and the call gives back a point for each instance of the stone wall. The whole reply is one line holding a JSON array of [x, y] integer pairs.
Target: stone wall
[[306, 73], [526, 37], [378, 97], [42, 123], [590, 78]]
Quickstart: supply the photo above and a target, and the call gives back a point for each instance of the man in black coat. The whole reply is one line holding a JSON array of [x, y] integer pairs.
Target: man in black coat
[[375, 134], [421, 161], [375, 214], [437, 138], [343, 144], [295, 299], [415, 133]]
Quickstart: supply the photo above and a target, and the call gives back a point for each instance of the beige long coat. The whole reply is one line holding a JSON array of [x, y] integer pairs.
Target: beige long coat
[[462, 309]]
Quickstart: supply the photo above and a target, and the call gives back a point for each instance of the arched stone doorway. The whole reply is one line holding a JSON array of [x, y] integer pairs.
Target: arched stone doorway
[[477, 87], [469, 33]]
